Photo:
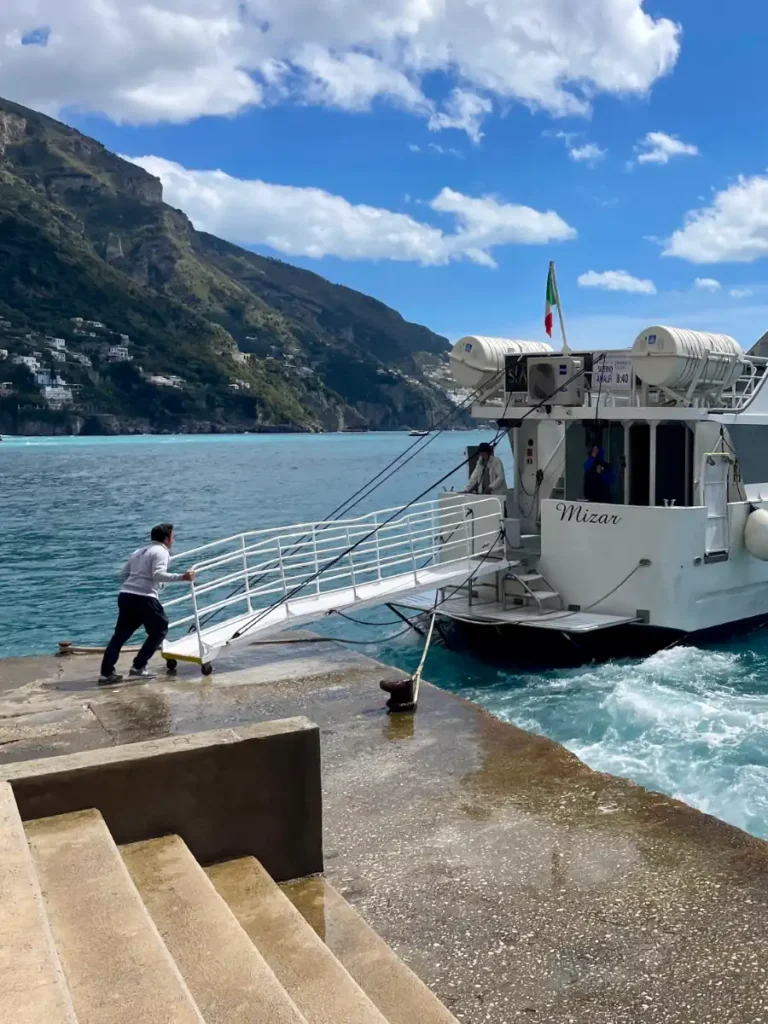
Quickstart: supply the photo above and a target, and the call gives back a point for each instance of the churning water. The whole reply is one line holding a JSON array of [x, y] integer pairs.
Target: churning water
[[690, 722]]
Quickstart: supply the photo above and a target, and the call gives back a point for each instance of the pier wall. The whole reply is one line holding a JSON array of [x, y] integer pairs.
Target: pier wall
[[253, 790]]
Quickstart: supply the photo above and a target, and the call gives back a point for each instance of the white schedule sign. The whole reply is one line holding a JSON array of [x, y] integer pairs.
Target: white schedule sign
[[614, 374]]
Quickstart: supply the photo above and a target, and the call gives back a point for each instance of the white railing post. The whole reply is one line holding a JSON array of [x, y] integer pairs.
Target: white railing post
[[317, 560], [197, 620], [378, 550], [282, 568], [352, 564], [413, 553], [245, 570]]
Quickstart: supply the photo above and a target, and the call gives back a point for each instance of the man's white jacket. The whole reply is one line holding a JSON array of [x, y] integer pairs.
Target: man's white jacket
[[498, 483]]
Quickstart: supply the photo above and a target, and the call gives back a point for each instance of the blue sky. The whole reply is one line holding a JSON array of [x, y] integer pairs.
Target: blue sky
[[437, 156]]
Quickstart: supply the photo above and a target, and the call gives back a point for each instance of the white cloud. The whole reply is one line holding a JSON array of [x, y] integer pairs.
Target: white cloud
[[445, 150], [174, 60], [740, 293], [707, 284], [353, 80], [586, 152], [616, 281], [733, 229], [464, 111], [659, 148], [442, 150], [311, 222], [590, 153]]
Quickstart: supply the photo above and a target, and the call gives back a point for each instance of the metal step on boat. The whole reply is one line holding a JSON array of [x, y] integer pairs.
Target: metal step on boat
[[529, 589]]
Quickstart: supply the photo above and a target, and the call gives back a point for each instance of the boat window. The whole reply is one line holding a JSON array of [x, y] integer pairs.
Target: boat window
[[628, 454]]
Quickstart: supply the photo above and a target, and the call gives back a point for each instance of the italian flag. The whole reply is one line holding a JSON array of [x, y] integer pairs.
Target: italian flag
[[551, 301]]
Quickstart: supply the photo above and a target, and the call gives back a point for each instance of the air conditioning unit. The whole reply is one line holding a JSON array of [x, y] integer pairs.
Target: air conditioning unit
[[555, 380]]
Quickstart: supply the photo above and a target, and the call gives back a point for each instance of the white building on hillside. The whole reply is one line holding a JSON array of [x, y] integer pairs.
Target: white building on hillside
[[79, 357], [57, 396], [29, 361], [56, 343], [118, 354]]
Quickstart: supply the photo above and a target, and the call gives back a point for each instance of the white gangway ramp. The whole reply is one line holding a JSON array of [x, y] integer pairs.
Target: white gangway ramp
[[262, 582]]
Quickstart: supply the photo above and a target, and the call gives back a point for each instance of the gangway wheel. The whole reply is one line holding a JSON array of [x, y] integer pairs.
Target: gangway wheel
[[171, 666], [207, 668]]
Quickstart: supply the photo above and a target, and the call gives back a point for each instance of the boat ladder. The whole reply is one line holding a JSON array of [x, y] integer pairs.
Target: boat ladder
[[529, 589]]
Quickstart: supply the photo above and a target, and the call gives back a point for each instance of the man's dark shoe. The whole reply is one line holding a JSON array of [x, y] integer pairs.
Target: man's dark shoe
[[111, 679], [141, 673]]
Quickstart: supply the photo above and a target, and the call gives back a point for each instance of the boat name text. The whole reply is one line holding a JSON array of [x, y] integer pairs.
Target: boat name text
[[579, 514]]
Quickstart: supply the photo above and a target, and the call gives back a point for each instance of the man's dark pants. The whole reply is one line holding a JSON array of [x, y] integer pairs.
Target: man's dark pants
[[135, 611]]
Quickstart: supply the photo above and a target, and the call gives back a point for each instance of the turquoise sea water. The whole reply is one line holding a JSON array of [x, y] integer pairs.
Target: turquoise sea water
[[689, 722]]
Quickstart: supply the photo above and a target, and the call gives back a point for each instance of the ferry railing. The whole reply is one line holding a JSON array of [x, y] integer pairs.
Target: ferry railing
[[249, 572], [742, 392]]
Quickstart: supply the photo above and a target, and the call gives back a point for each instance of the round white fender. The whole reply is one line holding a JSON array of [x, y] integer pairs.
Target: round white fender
[[756, 534]]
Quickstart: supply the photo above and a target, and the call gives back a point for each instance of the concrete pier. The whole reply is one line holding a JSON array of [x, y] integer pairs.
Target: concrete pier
[[516, 882]]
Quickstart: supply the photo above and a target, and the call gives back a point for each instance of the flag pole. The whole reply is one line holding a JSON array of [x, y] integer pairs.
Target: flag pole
[[566, 347]]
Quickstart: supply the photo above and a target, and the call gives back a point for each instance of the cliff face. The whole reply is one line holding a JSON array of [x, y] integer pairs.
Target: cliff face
[[85, 233]]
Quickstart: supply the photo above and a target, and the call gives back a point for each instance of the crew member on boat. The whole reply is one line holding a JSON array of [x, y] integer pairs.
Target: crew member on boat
[[488, 474], [598, 477]]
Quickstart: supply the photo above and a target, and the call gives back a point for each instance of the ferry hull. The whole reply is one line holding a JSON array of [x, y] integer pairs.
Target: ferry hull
[[531, 648]]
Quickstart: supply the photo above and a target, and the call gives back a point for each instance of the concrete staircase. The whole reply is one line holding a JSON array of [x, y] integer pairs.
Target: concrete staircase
[[96, 933]]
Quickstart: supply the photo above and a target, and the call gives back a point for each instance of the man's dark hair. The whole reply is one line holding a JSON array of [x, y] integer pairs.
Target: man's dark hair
[[484, 447], [162, 532]]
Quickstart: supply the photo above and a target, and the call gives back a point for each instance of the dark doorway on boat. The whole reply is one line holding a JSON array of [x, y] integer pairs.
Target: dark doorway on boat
[[639, 464], [580, 438], [674, 461]]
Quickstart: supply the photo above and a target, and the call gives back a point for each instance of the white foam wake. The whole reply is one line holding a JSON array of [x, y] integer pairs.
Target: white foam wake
[[688, 722]]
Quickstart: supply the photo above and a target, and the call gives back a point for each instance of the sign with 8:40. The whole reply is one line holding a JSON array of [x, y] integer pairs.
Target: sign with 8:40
[[613, 374]]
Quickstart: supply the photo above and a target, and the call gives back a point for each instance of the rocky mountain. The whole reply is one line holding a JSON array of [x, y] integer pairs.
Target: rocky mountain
[[217, 337]]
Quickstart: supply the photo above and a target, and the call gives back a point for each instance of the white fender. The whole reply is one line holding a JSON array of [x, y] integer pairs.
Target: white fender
[[756, 534]]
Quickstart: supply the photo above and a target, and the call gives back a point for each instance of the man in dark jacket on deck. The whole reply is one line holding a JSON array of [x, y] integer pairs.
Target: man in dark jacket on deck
[[598, 477]]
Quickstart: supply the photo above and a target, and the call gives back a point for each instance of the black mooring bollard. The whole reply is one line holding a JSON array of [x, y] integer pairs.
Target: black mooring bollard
[[401, 694]]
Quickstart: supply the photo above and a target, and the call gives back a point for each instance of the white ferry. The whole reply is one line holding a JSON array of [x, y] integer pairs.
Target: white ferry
[[676, 547]]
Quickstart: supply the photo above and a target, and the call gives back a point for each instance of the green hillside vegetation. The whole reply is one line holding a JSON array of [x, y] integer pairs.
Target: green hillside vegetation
[[256, 343]]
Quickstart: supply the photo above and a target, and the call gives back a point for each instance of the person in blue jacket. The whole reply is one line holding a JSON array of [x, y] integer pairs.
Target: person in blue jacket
[[598, 477]]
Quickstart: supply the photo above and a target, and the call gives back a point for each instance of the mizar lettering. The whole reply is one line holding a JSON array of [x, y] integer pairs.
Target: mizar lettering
[[578, 514]]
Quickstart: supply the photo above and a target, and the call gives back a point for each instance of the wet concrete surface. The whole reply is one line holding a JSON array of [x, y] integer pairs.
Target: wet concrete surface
[[518, 883]]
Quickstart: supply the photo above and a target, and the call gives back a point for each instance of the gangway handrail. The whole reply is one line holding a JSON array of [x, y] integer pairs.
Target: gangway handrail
[[268, 567], [339, 557], [300, 527], [275, 586]]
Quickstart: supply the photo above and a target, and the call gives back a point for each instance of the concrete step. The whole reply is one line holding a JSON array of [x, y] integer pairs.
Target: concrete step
[[116, 965], [227, 976], [32, 985], [399, 994], [317, 982]]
